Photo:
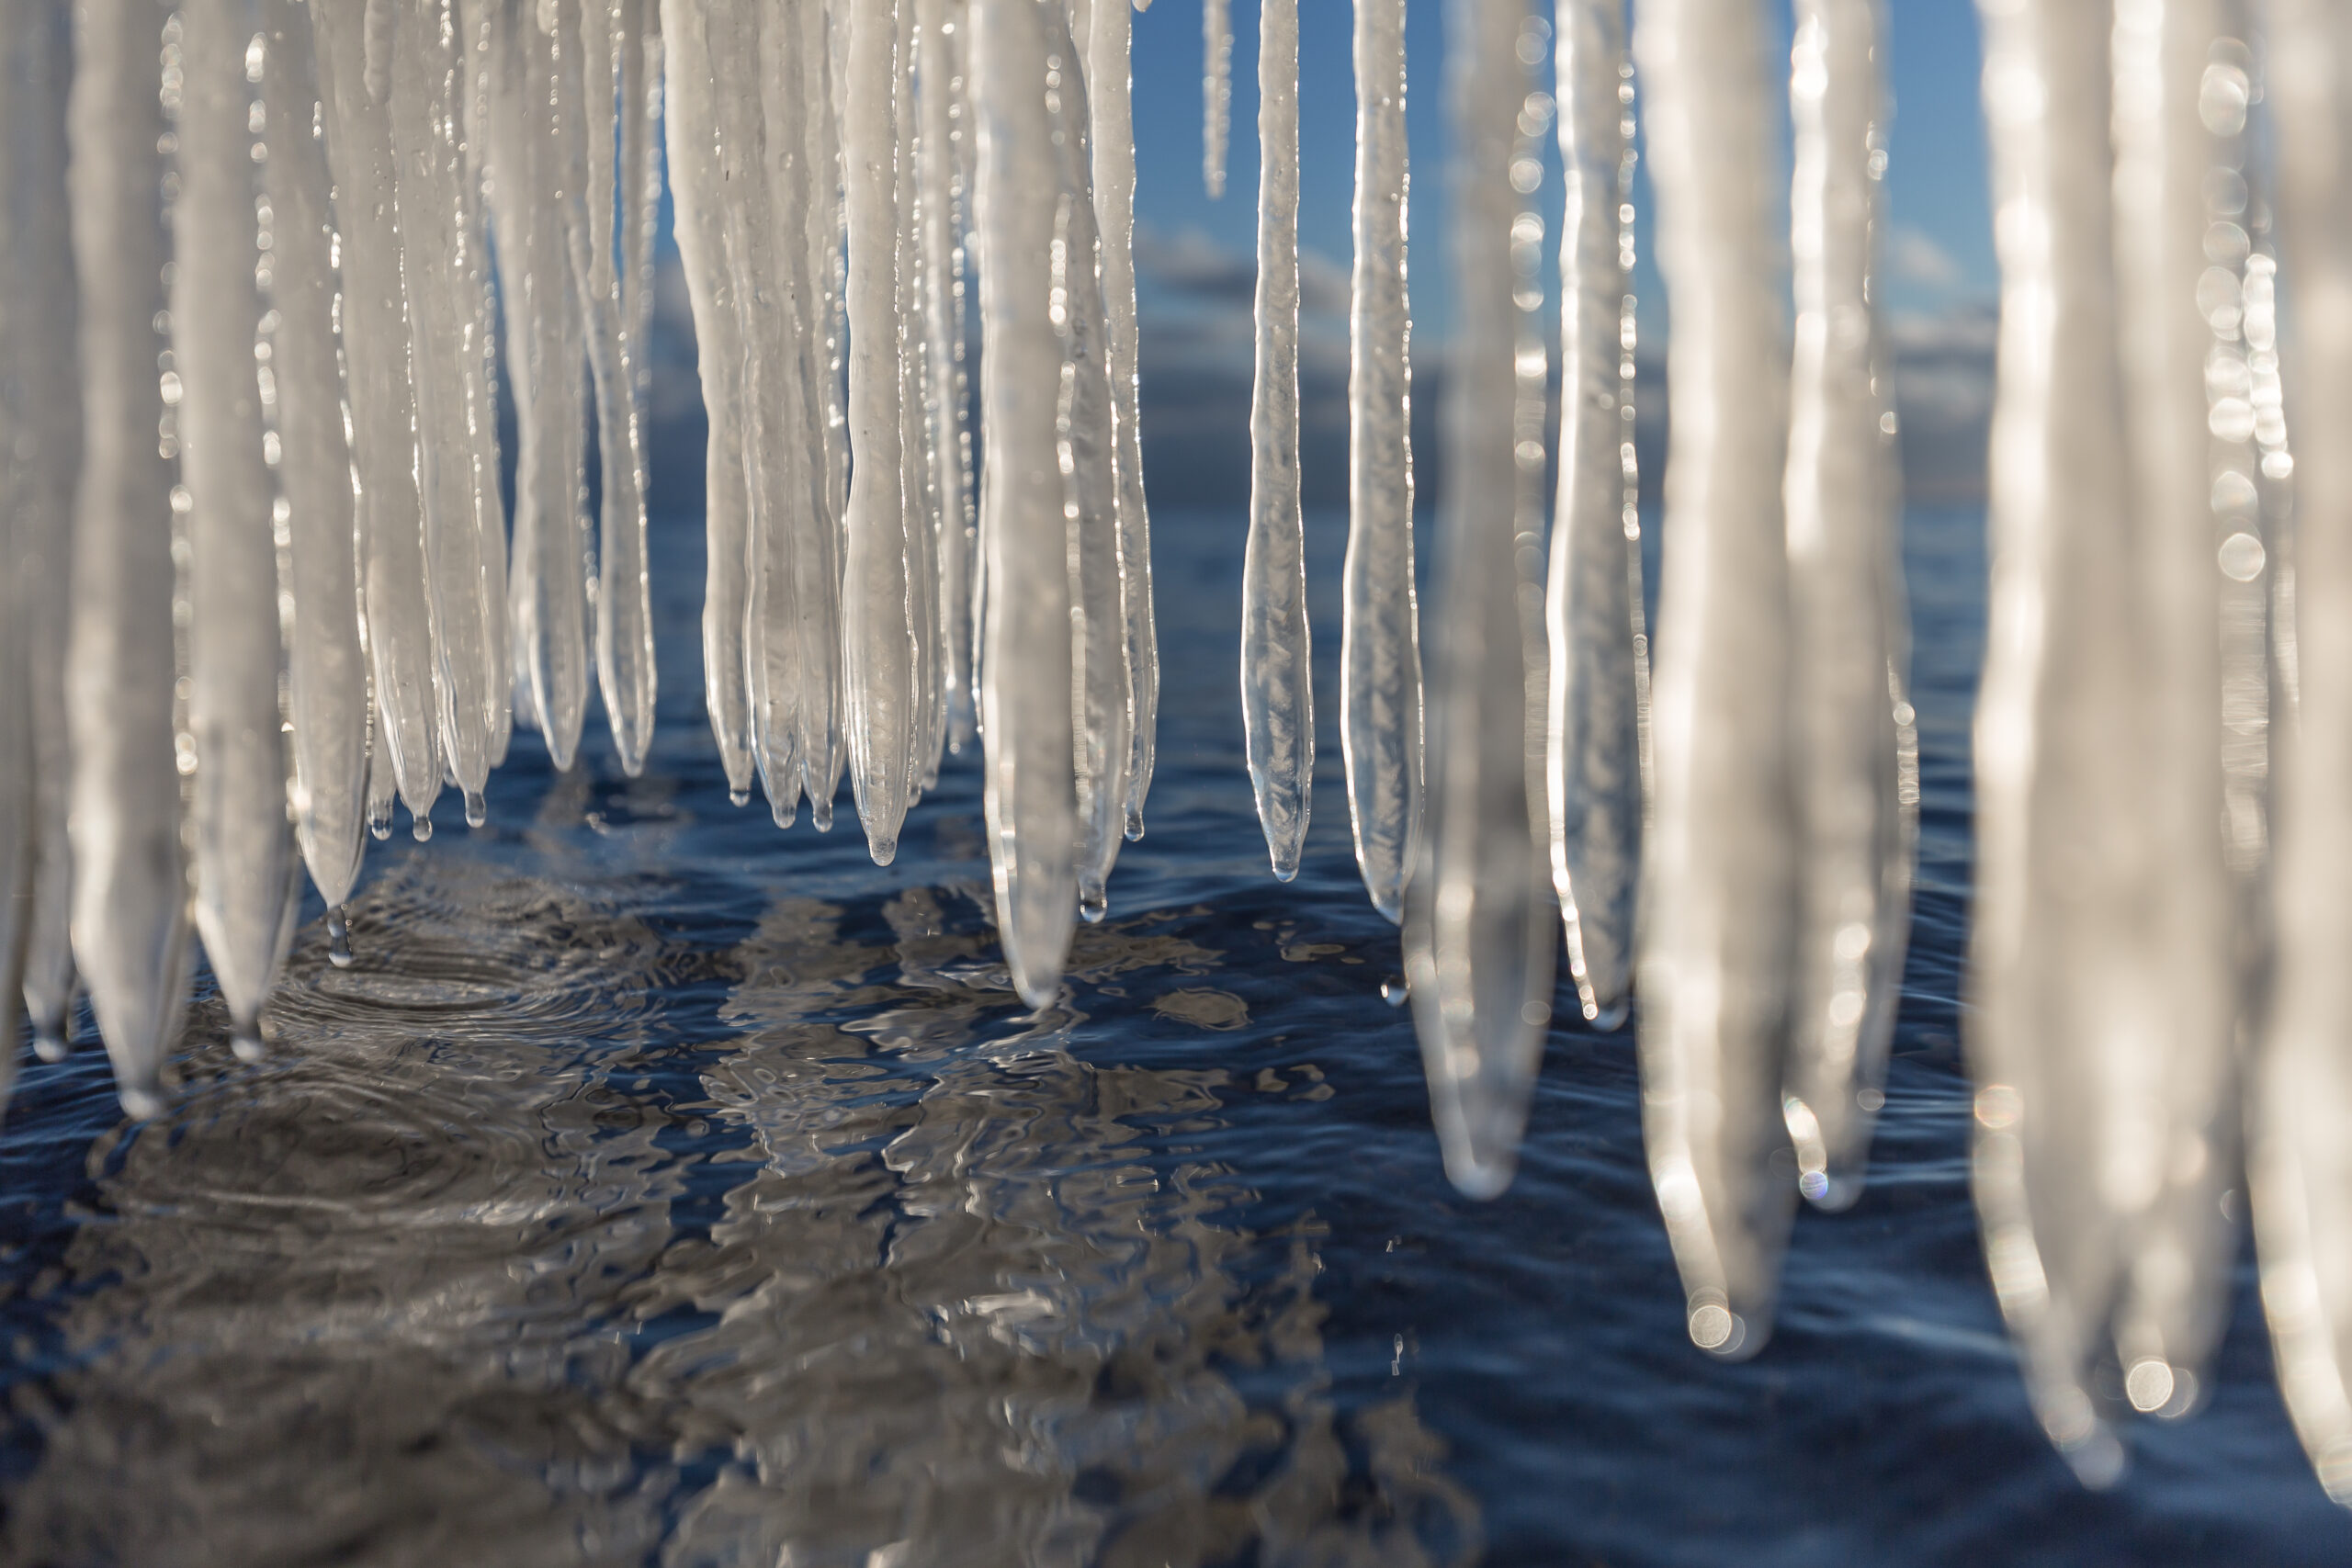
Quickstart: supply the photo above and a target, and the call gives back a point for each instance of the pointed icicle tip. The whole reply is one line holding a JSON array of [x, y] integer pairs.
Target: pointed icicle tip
[[477, 808]]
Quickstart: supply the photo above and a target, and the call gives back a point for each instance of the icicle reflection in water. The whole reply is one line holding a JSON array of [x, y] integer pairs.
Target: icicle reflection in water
[[1479, 925], [1597, 680], [1719, 889], [1854, 745]]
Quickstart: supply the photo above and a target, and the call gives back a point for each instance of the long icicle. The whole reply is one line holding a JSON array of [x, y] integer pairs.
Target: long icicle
[[1277, 686], [21, 537], [1719, 874], [130, 888], [1112, 138], [383, 411], [1085, 428], [1380, 652], [1479, 929], [700, 196], [1593, 728], [2179, 134], [40, 473], [810, 121], [2064, 1004], [1855, 745], [465, 531], [878, 671], [2301, 1196], [920, 513], [326, 662], [244, 851], [939, 82], [546, 588], [1026, 696], [1216, 92]]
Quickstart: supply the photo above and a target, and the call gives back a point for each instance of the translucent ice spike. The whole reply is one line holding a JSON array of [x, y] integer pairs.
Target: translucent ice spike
[[1216, 91], [623, 618], [2066, 1005], [244, 852], [2300, 1178], [927, 736], [1085, 430], [1277, 687], [1380, 647], [880, 699], [37, 250], [18, 803], [691, 125], [1855, 758], [547, 581], [816, 538], [1593, 762], [326, 664], [464, 532], [2179, 142], [1720, 890], [939, 108], [1114, 140], [130, 888], [1026, 676], [383, 409], [624, 629], [1479, 927]]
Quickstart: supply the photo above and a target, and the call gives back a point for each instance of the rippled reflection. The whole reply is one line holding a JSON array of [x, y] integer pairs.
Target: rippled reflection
[[510, 1255]]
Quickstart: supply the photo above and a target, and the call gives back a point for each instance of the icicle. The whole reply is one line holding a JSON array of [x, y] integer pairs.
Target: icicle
[[940, 110], [1085, 431], [825, 43], [24, 541], [547, 581], [244, 855], [2301, 1196], [129, 890], [1720, 893], [1479, 929], [383, 409], [326, 664], [2178, 1117], [2065, 1003], [1216, 91], [1856, 749], [1380, 655], [1594, 604], [927, 690], [1025, 694], [587, 60], [41, 470], [1277, 688], [1112, 136], [700, 196], [878, 681], [465, 528]]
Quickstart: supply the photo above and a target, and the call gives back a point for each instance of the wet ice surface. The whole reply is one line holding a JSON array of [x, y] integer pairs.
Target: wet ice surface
[[658, 1187]]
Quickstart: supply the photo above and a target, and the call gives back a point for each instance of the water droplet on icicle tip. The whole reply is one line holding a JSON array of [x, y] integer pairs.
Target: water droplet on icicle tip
[[338, 938], [1395, 992], [51, 1045], [1093, 905], [245, 1041], [1135, 823], [820, 815], [884, 851], [420, 824], [141, 1103], [739, 797], [380, 823], [477, 808]]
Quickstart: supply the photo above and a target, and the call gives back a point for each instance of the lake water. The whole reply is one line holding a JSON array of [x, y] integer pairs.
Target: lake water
[[662, 1189]]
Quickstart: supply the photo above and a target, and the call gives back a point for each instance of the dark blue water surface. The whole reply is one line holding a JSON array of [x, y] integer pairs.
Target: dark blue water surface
[[663, 1189]]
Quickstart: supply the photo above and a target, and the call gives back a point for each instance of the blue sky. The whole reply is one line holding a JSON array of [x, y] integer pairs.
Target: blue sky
[[1939, 253]]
